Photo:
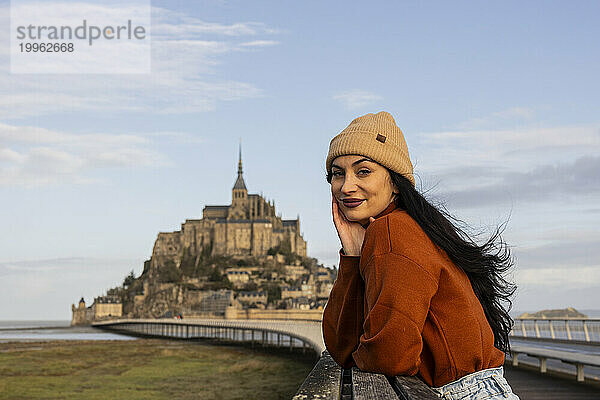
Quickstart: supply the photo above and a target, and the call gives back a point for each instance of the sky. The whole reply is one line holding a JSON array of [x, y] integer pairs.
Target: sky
[[498, 103]]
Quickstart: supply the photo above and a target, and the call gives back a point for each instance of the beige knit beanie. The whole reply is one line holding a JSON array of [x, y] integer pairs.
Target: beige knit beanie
[[375, 136]]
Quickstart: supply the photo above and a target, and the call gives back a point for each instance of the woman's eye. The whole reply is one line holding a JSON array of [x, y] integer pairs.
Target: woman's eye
[[336, 173], [364, 172]]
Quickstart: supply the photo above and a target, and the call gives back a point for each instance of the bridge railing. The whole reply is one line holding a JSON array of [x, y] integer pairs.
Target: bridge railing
[[579, 360], [575, 329], [227, 331]]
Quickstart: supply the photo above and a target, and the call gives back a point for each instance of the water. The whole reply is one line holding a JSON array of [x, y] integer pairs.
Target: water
[[34, 324], [31, 331]]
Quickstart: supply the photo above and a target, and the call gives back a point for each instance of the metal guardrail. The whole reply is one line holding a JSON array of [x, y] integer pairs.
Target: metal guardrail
[[580, 360], [576, 329], [263, 333]]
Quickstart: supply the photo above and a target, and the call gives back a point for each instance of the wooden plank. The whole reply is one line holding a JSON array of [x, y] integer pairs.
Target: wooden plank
[[370, 386], [412, 387], [323, 382]]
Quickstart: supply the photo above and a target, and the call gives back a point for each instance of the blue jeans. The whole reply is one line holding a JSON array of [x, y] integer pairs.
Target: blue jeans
[[488, 384]]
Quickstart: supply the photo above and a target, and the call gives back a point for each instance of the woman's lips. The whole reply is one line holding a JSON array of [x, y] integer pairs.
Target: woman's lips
[[351, 203]]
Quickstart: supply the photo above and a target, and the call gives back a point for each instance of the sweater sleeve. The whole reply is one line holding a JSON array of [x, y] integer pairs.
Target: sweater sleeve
[[398, 293], [343, 314]]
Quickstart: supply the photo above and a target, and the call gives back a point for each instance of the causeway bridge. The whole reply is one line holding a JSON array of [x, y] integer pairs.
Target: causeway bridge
[[302, 334], [544, 347]]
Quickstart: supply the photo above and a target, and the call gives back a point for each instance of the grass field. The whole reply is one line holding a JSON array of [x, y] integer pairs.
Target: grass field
[[147, 369]]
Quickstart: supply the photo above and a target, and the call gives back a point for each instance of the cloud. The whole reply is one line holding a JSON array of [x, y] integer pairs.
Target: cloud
[[507, 148], [567, 251], [11, 156], [492, 167], [259, 43], [31, 156], [185, 78], [559, 277], [537, 297], [541, 183], [177, 137], [513, 115], [354, 99], [169, 23], [37, 135], [54, 264], [27, 100], [45, 289]]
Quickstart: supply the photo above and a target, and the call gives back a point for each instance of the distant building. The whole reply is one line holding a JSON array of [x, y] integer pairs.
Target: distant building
[[252, 298], [246, 227], [301, 303], [295, 271], [237, 277], [107, 306], [324, 289], [308, 286], [263, 249], [292, 293], [322, 276], [81, 315], [104, 307]]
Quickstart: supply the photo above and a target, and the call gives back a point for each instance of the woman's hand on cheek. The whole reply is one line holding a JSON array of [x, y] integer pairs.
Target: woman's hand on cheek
[[351, 234]]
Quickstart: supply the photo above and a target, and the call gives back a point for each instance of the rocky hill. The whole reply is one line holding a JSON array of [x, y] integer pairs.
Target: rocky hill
[[569, 312], [207, 285]]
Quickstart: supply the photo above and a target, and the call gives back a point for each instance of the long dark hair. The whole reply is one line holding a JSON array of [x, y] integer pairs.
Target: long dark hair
[[485, 264]]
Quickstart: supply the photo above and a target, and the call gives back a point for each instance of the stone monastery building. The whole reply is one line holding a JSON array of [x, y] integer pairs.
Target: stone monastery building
[[246, 227]]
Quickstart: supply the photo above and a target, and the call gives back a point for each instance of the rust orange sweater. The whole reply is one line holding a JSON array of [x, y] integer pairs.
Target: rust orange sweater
[[403, 308]]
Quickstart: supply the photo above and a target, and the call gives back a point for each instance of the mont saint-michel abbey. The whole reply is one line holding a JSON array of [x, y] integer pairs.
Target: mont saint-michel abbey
[[239, 261], [246, 227]]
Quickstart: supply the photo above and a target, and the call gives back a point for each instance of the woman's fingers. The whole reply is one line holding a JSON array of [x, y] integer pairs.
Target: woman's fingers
[[338, 217], [351, 234], [335, 212], [342, 225]]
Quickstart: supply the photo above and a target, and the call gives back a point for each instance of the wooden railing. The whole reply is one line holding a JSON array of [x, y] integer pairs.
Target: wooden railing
[[328, 380]]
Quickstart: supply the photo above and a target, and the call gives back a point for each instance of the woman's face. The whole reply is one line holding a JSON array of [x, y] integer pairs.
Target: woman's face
[[362, 187]]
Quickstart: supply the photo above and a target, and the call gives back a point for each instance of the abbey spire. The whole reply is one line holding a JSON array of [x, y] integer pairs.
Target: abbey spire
[[239, 183], [239, 188]]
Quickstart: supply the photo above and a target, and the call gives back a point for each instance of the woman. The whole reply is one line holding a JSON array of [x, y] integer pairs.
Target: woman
[[414, 294]]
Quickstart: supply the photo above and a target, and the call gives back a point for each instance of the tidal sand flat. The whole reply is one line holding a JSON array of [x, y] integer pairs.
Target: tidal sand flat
[[147, 369]]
